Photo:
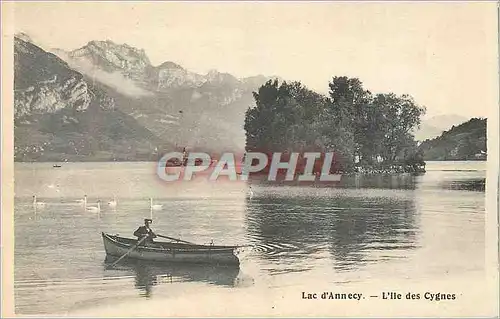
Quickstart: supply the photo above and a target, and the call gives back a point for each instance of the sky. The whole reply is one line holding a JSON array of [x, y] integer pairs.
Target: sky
[[443, 54]]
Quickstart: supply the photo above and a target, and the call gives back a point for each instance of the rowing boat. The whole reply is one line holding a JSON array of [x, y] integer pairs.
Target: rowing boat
[[170, 251]]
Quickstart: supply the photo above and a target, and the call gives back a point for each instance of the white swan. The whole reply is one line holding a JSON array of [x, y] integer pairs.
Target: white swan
[[94, 209], [56, 187], [113, 202], [36, 203], [250, 191], [156, 206], [83, 201]]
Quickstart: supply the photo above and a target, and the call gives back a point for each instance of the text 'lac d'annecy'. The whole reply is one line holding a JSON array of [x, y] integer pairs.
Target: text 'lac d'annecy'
[[302, 167]]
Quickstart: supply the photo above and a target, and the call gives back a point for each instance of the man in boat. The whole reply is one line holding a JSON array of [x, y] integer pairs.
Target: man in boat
[[145, 230], [184, 157]]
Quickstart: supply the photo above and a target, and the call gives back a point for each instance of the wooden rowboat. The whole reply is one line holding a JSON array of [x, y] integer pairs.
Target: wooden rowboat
[[170, 251]]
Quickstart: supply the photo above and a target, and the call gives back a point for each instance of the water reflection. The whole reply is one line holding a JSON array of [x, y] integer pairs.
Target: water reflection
[[352, 229], [386, 181], [477, 185], [399, 181], [357, 235], [148, 274]]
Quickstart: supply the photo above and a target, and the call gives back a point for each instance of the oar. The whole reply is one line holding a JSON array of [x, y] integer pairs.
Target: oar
[[176, 239], [128, 252], [187, 242], [244, 246]]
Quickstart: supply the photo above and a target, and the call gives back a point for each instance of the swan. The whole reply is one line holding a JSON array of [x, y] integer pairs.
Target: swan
[[112, 203], [94, 209], [56, 187], [37, 204], [250, 191], [82, 201], [156, 206]]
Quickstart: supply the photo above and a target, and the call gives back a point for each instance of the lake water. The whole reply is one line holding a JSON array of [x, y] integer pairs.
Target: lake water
[[392, 231]]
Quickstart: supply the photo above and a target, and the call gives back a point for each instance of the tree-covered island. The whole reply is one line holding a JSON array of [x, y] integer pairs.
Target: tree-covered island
[[369, 133]]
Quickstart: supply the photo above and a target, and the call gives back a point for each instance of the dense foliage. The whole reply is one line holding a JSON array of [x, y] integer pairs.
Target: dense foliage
[[466, 141], [354, 123]]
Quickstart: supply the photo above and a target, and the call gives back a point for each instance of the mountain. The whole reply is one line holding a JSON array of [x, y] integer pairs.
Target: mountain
[[24, 36], [202, 111], [110, 57], [435, 126], [59, 114], [172, 75], [106, 101], [466, 141]]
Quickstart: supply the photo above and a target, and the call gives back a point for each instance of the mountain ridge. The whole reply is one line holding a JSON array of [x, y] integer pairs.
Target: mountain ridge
[[466, 141], [169, 106], [183, 110], [59, 114], [436, 125]]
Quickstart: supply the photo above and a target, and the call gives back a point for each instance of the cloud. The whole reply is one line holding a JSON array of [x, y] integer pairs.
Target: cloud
[[115, 80]]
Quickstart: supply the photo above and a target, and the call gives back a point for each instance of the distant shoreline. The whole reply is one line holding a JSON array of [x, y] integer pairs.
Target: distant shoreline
[[150, 161]]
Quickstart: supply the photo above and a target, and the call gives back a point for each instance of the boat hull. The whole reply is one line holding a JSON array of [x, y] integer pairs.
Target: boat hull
[[170, 252]]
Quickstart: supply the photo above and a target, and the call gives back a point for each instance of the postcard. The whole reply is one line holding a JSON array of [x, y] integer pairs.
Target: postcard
[[250, 159]]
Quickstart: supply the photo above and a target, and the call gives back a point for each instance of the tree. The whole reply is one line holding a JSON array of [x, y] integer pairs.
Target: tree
[[282, 116], [400, 116], [350, 121]]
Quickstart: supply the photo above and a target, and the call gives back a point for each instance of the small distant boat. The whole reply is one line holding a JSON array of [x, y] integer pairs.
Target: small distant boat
[[56, 165], [171, 251]]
